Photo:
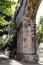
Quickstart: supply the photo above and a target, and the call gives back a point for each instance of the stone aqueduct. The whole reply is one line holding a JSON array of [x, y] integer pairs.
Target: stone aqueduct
[[26, 33]]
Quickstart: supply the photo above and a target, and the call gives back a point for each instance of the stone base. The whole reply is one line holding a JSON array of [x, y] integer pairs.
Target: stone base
[[31, 58], [20, 56], [28, 58]]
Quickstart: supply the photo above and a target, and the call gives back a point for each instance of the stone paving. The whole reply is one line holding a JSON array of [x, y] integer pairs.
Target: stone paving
[[4, 60]]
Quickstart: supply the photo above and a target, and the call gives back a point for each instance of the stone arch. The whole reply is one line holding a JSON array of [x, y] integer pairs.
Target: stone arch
[[26, 33]]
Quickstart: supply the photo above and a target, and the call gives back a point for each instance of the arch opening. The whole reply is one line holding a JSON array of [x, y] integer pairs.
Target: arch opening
[[39, 30]]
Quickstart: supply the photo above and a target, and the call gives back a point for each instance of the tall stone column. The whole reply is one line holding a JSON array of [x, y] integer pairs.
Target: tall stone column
[[26, 35]]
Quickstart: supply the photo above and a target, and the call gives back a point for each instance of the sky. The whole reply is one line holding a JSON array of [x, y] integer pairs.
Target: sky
[[16, 0], [39, 12]]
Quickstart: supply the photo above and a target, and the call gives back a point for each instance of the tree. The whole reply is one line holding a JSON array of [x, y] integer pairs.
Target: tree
[[7, 9], [41, 22], [39, 31]]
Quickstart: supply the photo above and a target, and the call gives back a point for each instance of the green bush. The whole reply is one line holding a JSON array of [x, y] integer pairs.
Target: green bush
[[11, 44], [1, 44]]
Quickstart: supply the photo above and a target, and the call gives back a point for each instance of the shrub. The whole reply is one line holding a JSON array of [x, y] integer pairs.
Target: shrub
[[11, 44], [1, 44]]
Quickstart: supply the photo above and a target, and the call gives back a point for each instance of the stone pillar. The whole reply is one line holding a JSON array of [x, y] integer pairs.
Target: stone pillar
[[26, 42], [29, 42], [26, 47], [20, 42]]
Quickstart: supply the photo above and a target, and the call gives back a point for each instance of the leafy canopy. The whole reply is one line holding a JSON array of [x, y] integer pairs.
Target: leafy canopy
[[39, 31], [7, 9]]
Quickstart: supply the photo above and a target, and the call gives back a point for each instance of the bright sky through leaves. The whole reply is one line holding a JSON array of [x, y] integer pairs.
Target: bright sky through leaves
[[16, 0], [39, 12]]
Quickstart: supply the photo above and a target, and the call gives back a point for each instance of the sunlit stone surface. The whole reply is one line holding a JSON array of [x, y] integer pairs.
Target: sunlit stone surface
[[26, 35]]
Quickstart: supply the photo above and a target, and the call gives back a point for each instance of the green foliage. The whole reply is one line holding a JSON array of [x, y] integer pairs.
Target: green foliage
[[41, 19], [38, 34], [1, 44], [7, 6], [7, 9], [1, 40], [11, 44], [39, 31]]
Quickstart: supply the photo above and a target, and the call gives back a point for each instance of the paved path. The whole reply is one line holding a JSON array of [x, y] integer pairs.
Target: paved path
[[4, 60], [41, 58]]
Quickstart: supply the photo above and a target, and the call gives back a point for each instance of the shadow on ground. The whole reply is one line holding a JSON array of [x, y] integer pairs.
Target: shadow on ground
[[14, 62], [4, 60]]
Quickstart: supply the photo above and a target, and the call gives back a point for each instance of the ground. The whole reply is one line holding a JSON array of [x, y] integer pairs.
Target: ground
[[4, 60]]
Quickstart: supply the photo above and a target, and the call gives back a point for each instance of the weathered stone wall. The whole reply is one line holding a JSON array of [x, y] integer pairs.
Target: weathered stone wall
[[20, 40], [26, 40]]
